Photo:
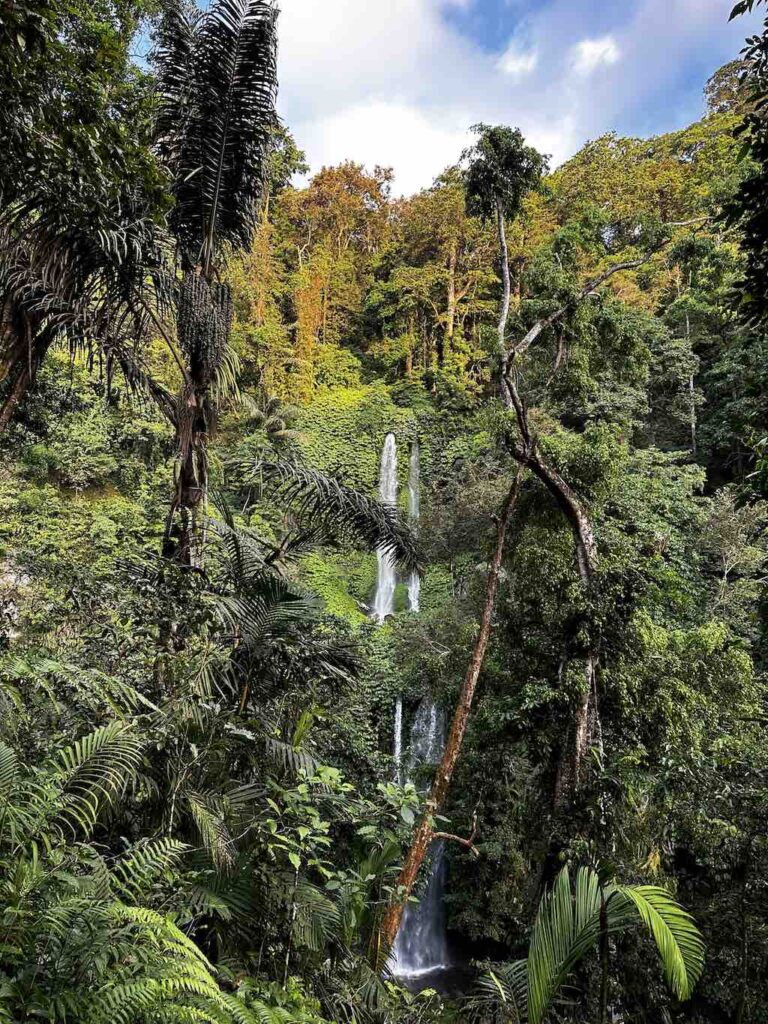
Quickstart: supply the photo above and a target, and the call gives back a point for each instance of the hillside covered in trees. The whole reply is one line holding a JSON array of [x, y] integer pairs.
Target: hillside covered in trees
[[383, 623]]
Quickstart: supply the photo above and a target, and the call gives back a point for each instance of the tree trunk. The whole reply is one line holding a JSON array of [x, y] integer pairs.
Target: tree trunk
[[450, 325], [425, 831], [182, 539], [204, 323], [528, 454], [24, 360], [14, 397], [506, 293]]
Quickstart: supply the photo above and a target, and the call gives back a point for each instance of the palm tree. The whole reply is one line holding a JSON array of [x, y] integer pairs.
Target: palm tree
[[81, 194], [85, 285], [217, 83], [570, 924], [114, 276]]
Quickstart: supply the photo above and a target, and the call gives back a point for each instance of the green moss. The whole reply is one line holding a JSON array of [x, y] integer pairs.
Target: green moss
[[436, 588], [343, 584], [343, 431]]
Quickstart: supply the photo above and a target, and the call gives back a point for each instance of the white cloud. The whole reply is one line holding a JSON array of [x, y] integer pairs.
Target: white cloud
[[394, 83], [390, 134], [517, 62], [590, 54]]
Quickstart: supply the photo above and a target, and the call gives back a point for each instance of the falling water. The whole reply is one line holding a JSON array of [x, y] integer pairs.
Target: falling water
[[421, 947], [384, 601], [398, 747], [414, 510]]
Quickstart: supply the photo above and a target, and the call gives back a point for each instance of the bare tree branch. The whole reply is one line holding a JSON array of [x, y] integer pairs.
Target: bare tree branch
[[591, 286]]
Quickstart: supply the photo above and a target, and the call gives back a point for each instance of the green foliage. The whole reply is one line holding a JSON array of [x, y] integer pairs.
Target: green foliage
[[198, 818], [501, 169], [569, 925]]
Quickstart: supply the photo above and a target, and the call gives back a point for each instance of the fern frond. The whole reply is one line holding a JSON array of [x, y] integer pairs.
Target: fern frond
[[135, 873], [208, 816], [94, 772]]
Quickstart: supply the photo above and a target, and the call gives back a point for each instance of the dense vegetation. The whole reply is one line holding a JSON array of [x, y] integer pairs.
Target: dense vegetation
[[199, 364]]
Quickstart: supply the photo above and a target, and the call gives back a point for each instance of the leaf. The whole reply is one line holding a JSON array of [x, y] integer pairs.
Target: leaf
[[295, 860], [336, 512], [674, 931]]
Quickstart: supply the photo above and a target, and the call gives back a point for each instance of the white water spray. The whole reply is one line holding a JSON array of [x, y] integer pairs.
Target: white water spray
[[421, 946], [398, 745]]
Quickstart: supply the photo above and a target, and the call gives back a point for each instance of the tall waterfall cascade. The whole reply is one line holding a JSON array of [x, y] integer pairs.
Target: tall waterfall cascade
[[414, 513], [386, 580], [421, 947]]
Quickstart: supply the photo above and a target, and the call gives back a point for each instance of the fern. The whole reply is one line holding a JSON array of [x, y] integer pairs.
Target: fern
[[209, 818], [94, 772], [135, 872]]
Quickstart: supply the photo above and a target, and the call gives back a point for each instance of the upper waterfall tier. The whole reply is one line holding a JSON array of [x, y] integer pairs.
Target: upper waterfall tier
[[386, 581], [414, 514]]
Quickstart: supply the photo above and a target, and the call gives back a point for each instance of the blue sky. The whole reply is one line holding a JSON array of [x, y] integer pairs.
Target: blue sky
[[399, 82]]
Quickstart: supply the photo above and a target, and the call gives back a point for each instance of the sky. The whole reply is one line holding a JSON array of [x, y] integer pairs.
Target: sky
[[399, 82]]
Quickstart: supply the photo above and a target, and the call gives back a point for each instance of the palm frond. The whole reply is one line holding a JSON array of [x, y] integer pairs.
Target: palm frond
[[317, 917], [9, 770], [218, 81], [338, 513], [563, 932], [505, 984], [674, 931]]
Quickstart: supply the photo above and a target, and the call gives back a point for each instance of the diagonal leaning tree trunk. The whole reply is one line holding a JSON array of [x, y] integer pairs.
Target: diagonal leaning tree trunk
[[528, 454], [425, 830]]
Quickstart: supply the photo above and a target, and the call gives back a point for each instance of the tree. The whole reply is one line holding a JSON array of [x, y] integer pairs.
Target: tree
[[501, 170], [81, 195], [426, 833], [570, 925], [747, 209], [216, 81], [330, 233]]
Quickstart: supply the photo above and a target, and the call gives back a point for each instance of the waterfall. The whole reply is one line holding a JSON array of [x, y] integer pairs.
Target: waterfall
[[384, 602], [414, 511], [421, 947], [398, 745]]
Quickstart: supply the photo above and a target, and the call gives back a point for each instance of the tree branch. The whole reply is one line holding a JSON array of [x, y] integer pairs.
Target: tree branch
[[468, 844], [591, 286]]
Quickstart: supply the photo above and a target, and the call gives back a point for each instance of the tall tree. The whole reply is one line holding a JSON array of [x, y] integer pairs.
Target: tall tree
[[501, 170], [217, 83], [80, 192], [748, 209]]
